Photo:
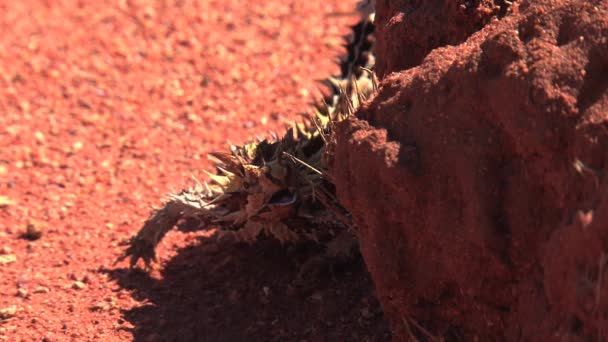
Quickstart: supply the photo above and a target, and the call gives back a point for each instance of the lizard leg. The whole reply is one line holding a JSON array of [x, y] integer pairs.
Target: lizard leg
[[342, 249], [143, 244]]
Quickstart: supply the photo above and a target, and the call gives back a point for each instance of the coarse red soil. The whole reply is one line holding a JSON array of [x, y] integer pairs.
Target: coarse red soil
[[108, 106]]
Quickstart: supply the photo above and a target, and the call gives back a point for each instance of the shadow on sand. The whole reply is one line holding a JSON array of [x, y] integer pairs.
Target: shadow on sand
[[226, 291]]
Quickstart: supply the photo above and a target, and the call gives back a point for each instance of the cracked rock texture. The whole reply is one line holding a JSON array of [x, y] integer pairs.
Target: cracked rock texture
[[477, 176]]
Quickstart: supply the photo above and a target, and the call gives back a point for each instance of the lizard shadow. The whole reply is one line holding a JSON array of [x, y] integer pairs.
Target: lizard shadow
[[227, 291]]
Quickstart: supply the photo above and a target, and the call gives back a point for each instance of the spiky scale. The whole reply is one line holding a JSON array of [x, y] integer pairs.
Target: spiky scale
[[220, 180]]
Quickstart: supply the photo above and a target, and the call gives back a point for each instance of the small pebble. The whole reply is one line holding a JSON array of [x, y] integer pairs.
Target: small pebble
[[317, 297], [5, 201], [42, 289], [77, 146], [39, 136], [22, 293], [100, 306], [7, 259], [8, 313], [33, 230], [78, 285], [366, 313]]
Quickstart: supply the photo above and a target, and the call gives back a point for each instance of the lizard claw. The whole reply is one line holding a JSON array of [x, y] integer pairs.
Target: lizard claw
[[138, 249], [143, 244]]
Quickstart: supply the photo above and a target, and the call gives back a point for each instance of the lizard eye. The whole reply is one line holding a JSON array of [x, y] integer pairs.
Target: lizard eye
[[283, 198]]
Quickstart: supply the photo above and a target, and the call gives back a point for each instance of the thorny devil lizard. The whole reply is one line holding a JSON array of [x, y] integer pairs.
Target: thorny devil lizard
[[281, 186]]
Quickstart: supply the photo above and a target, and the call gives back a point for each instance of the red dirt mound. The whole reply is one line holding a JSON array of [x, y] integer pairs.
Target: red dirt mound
[[477, 179], [425, 25]]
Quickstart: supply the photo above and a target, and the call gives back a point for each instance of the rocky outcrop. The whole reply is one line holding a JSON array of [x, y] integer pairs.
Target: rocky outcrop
[[477, 181]]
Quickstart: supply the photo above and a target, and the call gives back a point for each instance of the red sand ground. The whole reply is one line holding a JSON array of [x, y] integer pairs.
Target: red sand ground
[[105, 109]]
